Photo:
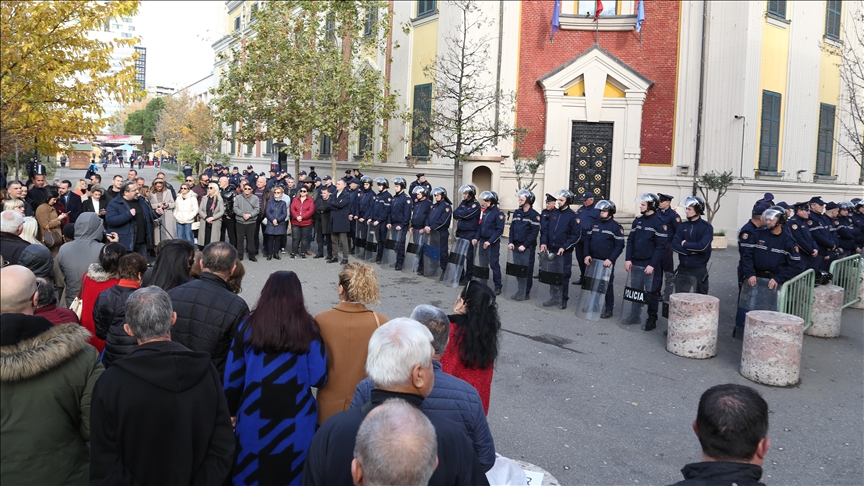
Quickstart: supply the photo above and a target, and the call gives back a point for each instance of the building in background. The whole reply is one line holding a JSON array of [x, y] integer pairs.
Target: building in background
[[157, 91], [121, 28], [141, 67], [199, 90]]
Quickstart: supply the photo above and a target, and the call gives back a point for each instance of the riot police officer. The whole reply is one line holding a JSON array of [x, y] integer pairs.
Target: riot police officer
[[400, 218], [799, 229], [747, 232], [524, 230], [858, 219], [585, 216], [692, 243], [467, 216], [353, 189], [820, 230], [562, 233], [365, 201], [847, 233], [646, 244], [774, 255], [380, 215], [488, 234], [671, 218], [438, 223], [605, 242], [421, 207]]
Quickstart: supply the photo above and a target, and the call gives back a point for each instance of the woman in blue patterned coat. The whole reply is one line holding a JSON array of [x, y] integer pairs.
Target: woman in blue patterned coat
[[276, 358]]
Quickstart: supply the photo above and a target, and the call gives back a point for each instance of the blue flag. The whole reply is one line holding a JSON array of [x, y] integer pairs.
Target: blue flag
[[640, 15], [556, 19]]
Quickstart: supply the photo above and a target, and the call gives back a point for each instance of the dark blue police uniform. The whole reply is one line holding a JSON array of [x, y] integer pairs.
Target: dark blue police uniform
[[400, 219], [439, 222], [745, 239], [772, 256], [646, 245], [694, 253], [800, 232], [605, 241], [820, 230], [467, 216], [490, 230], [524, 229], [562, 231], [586, 216], [381, 214]]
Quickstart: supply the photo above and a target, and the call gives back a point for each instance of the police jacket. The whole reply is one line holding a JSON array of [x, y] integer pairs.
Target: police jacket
[[440, 215], [646, 242], [847, 233], [800, 232], [746, 238], [772, 256], [356, 197], [421, 213], [467, 216], [544, 220], [524, 228], [414, 184], [400, 210], [696, 250], [820, 232], [381, 207], [251, 178], [364, 207], [562, 230], [858, 222], [605, 240], [586, 216], [228, 195], [491, 225], [672, 220]]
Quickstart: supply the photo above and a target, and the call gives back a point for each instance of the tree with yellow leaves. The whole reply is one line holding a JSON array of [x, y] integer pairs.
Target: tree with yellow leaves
[[53, 74], [187, 127]]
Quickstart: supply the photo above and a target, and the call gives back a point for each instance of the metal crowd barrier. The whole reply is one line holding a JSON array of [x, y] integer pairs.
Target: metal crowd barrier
[[847, 274], [796, 296]]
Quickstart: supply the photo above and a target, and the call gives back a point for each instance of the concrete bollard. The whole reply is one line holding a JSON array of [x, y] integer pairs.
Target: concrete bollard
[[771, 354], [693, 320], [827, 311], [860, 303]]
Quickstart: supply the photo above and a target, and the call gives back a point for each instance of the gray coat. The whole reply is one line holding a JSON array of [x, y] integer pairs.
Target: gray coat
[[217, 220], [75, 257], [246, 205]]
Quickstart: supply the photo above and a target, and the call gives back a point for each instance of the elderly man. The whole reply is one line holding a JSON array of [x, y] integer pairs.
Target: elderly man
[[159, 415], [11, 244], [450, 397], [48, 375], [131, 218], [396, 444], [399, 363]]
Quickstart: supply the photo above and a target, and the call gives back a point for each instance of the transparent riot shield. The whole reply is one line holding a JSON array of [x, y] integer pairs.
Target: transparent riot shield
[[432, 255], [482, 272], [360, 230], [414, 252], [371, 243], [517, 276], [679, 284], [637, 293], [758, 297], [395, 238], [592, 296], [551, 276], [456, 262]]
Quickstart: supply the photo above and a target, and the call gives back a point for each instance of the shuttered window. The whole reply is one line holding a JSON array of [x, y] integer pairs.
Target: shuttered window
[[769, 140], [422, 114], [832, 18], [825, 143], [777, 8], [425, 7]]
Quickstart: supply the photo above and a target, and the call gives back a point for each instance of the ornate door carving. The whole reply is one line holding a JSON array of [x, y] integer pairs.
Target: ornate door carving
[[590, 159]]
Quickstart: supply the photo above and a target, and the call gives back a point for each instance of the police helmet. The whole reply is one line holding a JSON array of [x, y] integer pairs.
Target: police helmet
[[774, 212], [856, 200], [697, 203], [847, 205], [489, 197], [468, 189], [529, 196], [366, 180], [651, 199], [439, 190], [398, 181], [606, 205], [380, 181], [859, 204], [565, 194], [420, 190]]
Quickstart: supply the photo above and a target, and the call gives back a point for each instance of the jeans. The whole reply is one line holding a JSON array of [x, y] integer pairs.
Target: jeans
[[300, 234], [184, 232]]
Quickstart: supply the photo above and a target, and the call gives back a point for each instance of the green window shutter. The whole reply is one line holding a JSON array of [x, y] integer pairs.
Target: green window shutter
[[769, 139]]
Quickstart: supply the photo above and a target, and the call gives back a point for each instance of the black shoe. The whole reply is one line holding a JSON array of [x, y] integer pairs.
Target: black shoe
[[344, 262], [240, 257], [650, 324], [252, 258], [517, 297], [397, 267], [562, 305], [269, 257], [318, 256], [666, 332], [303, 256], [378, 261], [606, 314], [276, 256], [351, 251], [331, 260], [738, 333], [441, 278], [420, 272], [464, 281], [293, 256], [497, 290]]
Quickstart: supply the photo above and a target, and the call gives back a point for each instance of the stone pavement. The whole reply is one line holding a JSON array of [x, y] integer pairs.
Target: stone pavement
[[595, 403]]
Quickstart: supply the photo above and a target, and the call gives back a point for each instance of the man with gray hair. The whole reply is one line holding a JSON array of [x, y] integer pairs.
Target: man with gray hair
[[11, 243], [399, 363], [159, 415], [396, 444], [451, 397]]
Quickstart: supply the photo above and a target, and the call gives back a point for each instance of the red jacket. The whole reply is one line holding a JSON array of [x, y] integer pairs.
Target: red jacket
[[94, 282], [57, 315], [305, 209]]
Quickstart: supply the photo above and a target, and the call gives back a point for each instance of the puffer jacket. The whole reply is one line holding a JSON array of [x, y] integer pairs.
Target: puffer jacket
[[208, 314], [109, 314], [46, 379], [38, 259], [186, 208]]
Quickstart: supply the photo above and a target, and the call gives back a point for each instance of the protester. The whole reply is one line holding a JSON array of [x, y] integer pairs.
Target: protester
[[109, 313], [173, 265], [50, 222], [46, 305], [161, 198], [346, 329], [208, 312], [131, 218], [185, 211], [474, 334], [159, 415], [246, 209], [75, 258], [99, 277], [47, 375], [278, 343]]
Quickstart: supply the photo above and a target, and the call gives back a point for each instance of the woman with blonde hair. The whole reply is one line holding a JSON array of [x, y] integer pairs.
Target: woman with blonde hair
[[30, 233], [210, 211], [160, 197], [14, 204], [81, 190], [185, 211], [346, 330]]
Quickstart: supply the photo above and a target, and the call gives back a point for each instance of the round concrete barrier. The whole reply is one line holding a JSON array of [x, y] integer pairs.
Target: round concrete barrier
[[860, 303], [693, 321], [771, 354], [827, 312]]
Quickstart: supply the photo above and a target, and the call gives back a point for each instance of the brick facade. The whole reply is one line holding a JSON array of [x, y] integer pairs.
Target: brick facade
[[655, 58]]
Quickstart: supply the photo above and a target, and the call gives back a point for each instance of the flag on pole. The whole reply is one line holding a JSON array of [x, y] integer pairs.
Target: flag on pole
[[598, 10], [640, 15], [556, 19]]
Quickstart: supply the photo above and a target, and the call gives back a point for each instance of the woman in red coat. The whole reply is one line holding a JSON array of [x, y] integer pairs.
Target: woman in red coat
[[100, 276], [302, 214], [473, 346]]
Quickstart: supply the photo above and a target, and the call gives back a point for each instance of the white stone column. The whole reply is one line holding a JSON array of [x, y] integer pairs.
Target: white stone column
[[771, 354]]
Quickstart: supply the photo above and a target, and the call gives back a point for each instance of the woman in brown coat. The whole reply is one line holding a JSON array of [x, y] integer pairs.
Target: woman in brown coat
[[49, 220], [346, 330]]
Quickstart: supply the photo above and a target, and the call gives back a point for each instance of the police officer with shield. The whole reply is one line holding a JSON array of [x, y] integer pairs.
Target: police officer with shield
[[646, 244], [820, 230], [560, 237], [421, 207], [799, 229], [524, 230], [604, 243], [489, 233], [847, 233], [380, 216], [438, 225], [467, 216], [400, 218], [585, 216], [667, 265], [692, 243]]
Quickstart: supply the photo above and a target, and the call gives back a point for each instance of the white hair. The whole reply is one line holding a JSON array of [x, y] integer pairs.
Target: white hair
[[10, 221], [31, 226], [395, 349]]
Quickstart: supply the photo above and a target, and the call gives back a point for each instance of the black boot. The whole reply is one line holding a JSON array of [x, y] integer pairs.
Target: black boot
[[650, 323]]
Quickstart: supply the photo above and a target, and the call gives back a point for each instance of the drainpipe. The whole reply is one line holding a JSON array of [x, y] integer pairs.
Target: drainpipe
[[701, 94], [498, 74]]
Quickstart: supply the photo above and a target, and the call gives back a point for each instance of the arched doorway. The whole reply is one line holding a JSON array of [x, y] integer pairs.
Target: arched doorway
[[481, 177]]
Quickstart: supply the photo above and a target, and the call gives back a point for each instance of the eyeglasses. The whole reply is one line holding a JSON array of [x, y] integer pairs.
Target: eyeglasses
[[247, 188], [190, 180], [184, 188], [304, 191]]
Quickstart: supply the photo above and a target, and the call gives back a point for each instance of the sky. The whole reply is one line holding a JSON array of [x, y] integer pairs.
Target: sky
[[178, 36]]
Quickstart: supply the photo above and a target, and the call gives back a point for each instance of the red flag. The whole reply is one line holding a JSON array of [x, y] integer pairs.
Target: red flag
[[598, 10]]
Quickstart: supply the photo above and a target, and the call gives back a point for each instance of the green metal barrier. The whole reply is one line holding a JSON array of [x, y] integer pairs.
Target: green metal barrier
[[847, 274], [796, 296]]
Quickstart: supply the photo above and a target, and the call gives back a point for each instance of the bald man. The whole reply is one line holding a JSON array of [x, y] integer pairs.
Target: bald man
[[18, 291]]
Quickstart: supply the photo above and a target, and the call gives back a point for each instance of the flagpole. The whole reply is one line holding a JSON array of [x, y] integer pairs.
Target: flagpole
[[597, 31]]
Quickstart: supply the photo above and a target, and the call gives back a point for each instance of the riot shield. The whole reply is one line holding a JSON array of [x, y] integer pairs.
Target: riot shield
[[592, 297], [517, 275], [432, 255], [679, 284], [456, 263], [371, 243], [482, 272], [394, 238], [360, 230], [551, 275], [414, 251], [758, 297], [637, 293]]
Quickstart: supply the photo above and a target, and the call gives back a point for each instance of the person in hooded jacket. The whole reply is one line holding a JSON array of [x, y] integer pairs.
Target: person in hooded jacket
[[76, 257], [109, 313], [159, 415]]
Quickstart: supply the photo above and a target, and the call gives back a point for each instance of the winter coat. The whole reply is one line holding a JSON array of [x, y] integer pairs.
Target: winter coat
[[277, 210], [168, 225], [322, 216], [73, 205], [48, 219], [721, 474], [208, 313], [186, 208], [121, 221], [95, 281], [302, 209], [57, 315], [109, 314], [75, 257], [39, 260], [246, 205], [339, 210], [216, 225], [11, 246], [47, 375], [159, 417]]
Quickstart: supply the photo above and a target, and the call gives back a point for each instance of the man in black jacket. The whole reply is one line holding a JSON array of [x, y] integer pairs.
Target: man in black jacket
[[207, 311], [408, 343], [11, 244], [731, 424], [158, 416], [339, 222]]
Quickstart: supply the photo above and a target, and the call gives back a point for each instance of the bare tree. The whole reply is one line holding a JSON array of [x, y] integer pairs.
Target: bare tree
[[526, 169], [462, 121], [850, 137]]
